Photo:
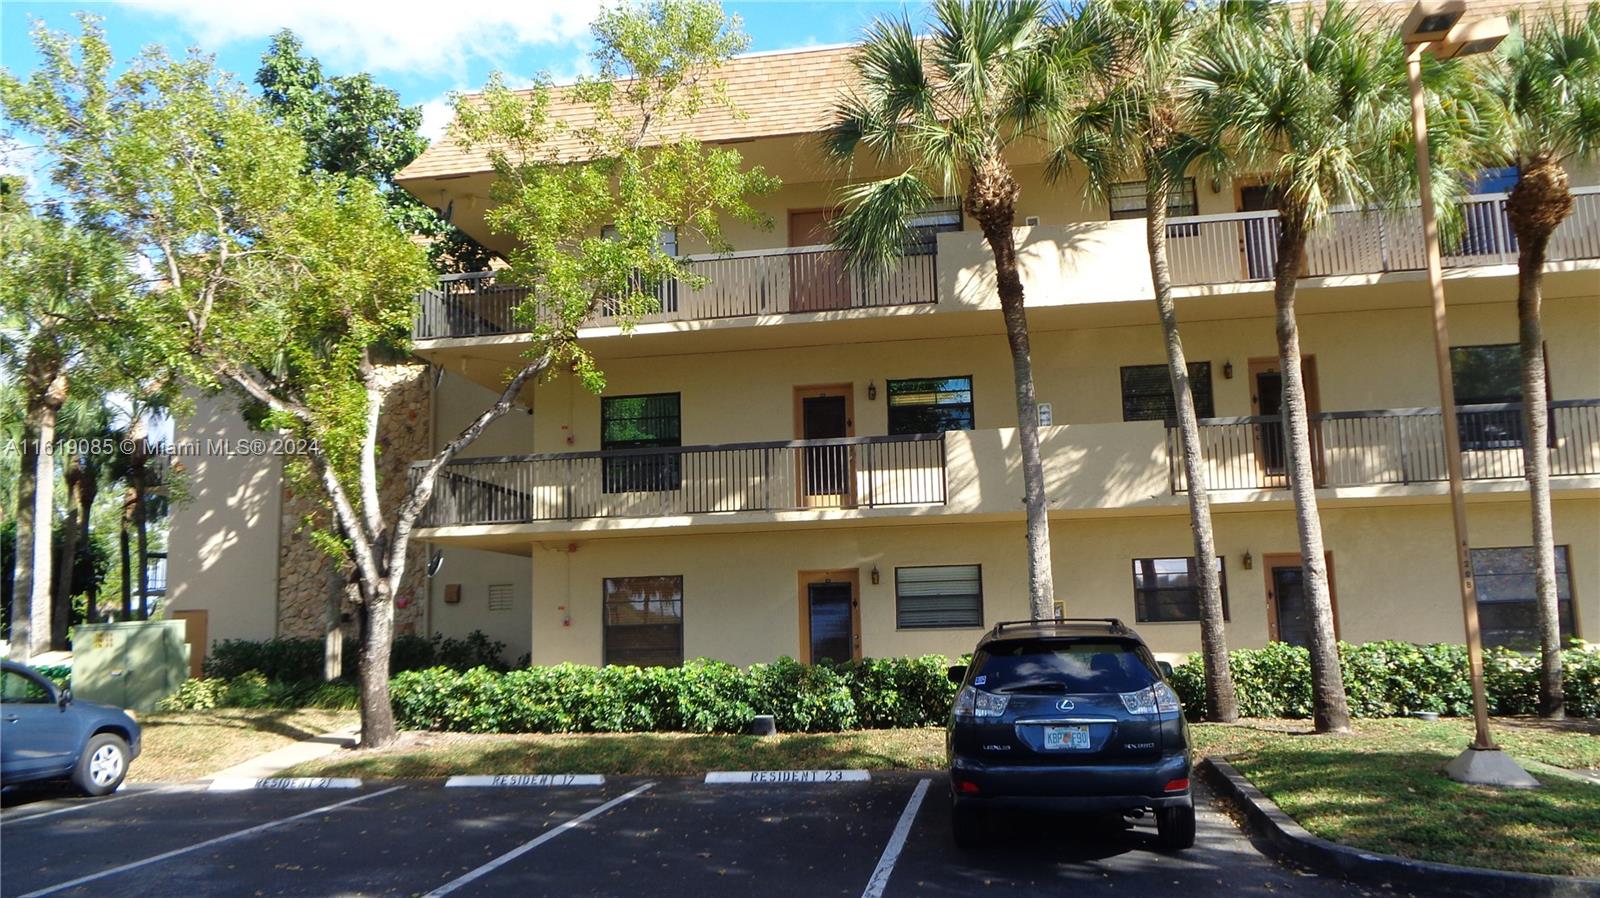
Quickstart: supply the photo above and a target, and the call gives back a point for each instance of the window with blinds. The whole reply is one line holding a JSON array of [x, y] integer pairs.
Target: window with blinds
[[1166, 590], [938, 596], [1508, 604], [1128, 200], [644, 621], [641, 422], [1147, 392], [500, 597]]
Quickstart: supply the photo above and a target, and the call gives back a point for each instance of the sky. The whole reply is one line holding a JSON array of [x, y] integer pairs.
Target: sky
[[422, 50]]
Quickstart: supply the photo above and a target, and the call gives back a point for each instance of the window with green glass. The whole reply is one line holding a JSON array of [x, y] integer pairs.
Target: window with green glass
[[930, 405]]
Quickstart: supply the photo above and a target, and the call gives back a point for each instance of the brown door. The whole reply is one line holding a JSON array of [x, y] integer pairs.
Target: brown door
[[830, 616], [1288, 608], [817, 280], [1266, 399], [195, 636], [826, 473]]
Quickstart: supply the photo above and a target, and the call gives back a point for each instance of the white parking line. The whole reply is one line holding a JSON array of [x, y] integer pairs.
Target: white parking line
[[526, 847], [897, 842], [237, 834], [785, 777]]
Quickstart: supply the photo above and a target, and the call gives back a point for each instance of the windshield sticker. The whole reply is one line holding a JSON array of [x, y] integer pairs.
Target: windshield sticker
[[979, 681]]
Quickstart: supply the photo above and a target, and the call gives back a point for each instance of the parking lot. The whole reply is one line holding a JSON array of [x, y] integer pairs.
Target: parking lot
[[885, 836]]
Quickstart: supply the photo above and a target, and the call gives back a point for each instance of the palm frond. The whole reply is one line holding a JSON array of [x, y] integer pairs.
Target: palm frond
[[874, 229]]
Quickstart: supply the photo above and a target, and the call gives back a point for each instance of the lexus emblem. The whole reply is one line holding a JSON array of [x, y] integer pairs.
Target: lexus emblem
[[1065, 704]]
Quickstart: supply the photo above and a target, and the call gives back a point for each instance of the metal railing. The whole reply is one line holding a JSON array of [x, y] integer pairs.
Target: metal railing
[[732, 285], [1242, 246], [1389, 446], [850, 472]]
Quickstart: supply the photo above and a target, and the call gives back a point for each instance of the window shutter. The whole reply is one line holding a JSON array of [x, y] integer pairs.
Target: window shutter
[[939, 596]]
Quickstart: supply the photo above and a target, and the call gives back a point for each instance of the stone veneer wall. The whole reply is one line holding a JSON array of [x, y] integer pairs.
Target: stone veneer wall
[[304, 569]]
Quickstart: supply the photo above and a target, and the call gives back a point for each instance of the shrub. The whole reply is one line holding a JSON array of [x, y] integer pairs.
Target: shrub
[[299, 659], [805, 698], [202, 694], [59, 674]]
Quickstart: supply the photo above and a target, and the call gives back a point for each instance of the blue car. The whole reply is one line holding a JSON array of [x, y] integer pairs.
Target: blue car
[[46, 735]]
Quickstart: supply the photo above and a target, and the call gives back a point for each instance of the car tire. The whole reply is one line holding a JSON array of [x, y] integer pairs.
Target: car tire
[[1175, 827], [102, 766], [969, 826]]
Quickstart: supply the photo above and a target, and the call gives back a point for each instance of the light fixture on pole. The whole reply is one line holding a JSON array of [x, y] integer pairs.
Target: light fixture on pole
[[1437, 27]]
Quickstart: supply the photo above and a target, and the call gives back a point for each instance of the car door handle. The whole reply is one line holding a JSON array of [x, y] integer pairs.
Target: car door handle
[[11, 718]]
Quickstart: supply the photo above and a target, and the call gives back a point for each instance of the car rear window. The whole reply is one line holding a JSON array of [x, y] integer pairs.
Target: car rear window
[[1053, 665]]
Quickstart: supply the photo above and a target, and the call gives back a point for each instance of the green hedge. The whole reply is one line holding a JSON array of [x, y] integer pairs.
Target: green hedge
[[1392, 679], [253, 690], [293, 660]]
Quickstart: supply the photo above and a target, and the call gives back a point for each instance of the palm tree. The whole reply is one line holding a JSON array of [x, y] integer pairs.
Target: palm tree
[[1131, 57], [1546, 95], [946, 111]]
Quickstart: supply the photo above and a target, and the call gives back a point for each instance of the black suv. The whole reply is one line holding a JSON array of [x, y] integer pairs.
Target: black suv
[[1070, 714]]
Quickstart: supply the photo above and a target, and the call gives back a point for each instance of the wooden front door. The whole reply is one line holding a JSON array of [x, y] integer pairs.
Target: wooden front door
[[1266, 400], [830, 616], [817, 280], [1288, 608], [826, 474]]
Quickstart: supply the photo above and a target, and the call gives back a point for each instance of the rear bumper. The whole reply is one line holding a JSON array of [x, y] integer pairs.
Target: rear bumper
[[1102, 787]]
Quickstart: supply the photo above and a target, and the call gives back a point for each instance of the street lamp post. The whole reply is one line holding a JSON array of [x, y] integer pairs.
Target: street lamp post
[[1436, 26]]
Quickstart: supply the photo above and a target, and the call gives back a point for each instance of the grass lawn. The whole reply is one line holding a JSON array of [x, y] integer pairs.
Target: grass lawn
[[635, 754], [1382, 789], [191, 744]]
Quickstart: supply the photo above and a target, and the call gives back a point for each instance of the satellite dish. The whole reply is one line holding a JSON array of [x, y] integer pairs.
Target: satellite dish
[[435, 562]]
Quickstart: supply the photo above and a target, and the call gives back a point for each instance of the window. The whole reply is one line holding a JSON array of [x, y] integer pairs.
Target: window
[[1165, 589], [1507, 603], [641, 422], [1147, 392], [500, 597], [1128, 200], [930, 404], [19, 688], [644, 621], [943, 214], [941, 596], [1485, 375]]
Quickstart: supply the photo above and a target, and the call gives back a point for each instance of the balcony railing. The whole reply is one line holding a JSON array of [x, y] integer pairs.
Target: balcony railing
[[1221, 249], [1389, 446], [758, 282], [852, 472]]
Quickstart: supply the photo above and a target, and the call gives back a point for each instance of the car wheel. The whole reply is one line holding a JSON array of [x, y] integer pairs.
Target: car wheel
[[1175, 827], [102, 765], [968, 824]]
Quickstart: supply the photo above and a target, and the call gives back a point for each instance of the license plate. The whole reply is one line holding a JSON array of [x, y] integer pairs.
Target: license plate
[[1066, 738]]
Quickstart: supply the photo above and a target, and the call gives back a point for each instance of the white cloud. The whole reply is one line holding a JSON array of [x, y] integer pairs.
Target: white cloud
[[436, 116], [393, 35]]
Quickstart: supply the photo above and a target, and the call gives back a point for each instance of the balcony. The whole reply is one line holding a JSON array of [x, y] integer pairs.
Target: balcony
[[740, 284], [1242, 247], [1390, 446], [852, 473]]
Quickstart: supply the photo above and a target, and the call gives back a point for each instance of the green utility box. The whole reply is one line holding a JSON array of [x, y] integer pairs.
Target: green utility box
[[129, 665]]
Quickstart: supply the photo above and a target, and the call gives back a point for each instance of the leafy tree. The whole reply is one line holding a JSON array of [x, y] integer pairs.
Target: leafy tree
[[1319, 100], [948, 110], [354, 126], [1131, 122], [1545, 92]]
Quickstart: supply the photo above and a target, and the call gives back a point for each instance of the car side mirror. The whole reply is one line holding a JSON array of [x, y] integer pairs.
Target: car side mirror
[[956, 673], [1166, 669], [64, 698]]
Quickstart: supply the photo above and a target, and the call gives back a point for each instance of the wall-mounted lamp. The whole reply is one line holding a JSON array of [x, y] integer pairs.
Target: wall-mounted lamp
[[1227, 370], [872, 394], [1247, 560], [874, 575]]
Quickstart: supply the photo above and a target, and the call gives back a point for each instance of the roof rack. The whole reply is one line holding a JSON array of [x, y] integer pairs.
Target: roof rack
[[1116, 623]]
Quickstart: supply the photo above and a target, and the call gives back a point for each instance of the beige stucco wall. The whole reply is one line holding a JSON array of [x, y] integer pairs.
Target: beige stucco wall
[[222, 549]]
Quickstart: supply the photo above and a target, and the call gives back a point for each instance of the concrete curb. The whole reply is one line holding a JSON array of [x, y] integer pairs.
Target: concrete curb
[[1290, 840]]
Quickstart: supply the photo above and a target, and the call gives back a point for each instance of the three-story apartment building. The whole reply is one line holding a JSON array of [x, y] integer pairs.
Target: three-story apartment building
[[797, 459]]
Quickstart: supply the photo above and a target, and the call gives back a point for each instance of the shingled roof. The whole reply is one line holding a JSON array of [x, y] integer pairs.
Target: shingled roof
[[788, 92]]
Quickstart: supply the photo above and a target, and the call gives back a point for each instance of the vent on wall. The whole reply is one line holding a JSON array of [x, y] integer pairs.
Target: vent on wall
[[1031, 221], [500, 597]]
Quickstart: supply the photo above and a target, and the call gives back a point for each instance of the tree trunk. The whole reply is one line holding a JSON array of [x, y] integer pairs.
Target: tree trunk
[[21, 616], [1537, 205], [333, 631], [61, 611], [1220, 701], [46, 386], [127, 567], [139, 475], [87, 489], [1330, 709], [992, 201], [377, 636]]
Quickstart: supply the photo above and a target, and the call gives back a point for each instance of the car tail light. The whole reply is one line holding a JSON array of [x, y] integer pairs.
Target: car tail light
[[967, 787], [973, 702], [1158, 699], [1176, 786]]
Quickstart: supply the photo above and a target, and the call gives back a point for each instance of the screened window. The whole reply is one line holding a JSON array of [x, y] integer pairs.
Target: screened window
[[635, 423], [1128, 200], [944, 214], [1488, 375], [1147, 392], [940, 596], [930, 404], [1508, 611], [1166, 589], [644, 621]]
